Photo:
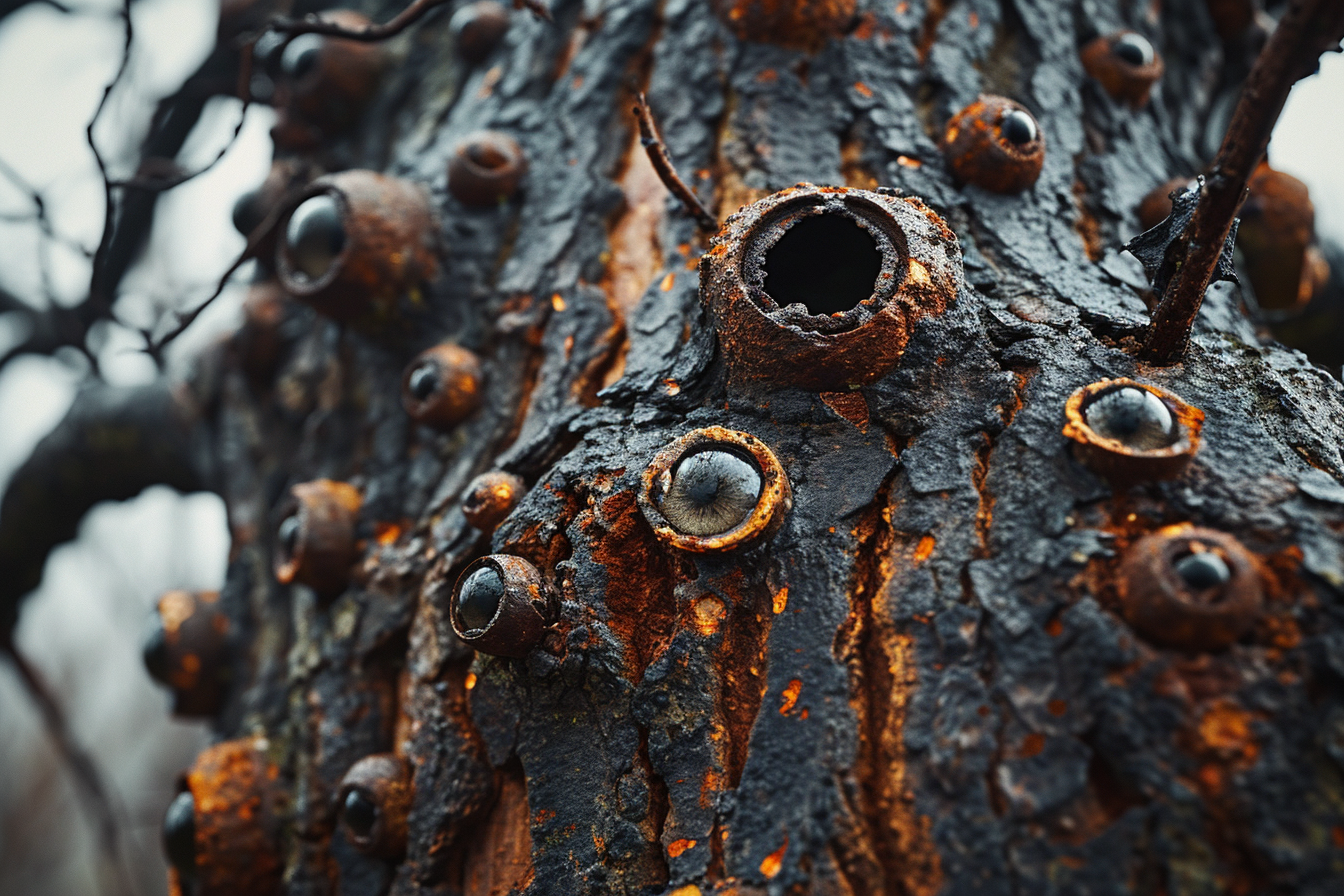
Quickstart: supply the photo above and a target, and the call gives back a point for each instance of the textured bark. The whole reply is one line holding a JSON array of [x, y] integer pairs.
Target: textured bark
[[923, 682]]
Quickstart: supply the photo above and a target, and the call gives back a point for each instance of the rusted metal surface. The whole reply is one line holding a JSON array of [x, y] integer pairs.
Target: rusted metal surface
[[804, 24], [518, 606], [490, 498], [922, 677], [980, 151], [324, 84], [388, 246], [1110, 455], [316, 538], [442, 386], [478, 28], [188, 651], [1126, 65], [486, 169], [903, 261]]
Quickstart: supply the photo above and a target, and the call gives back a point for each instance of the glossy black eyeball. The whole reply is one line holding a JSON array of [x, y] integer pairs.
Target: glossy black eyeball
[[287, 535], [1133, 49], [247, 212], [1136, 418], [360, 813], [315, 236], [479, 597], [711, 493], [266, 53], [1018, 127], [179, 833], [1203, 570], [300, 56], [423, 381]]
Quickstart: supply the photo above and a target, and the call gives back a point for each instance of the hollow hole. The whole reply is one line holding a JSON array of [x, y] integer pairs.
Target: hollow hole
[[487, 156], [826, 262]]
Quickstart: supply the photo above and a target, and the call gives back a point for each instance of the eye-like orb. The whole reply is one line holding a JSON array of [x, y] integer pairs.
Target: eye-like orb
[[1126, 65], [996, 144], [179, 834], [301, 55], [187, 650], [478, 28], [490, 498], [315, 542], [486, 169], [374, 801], [715, 490], [442, 386], [1190, 588], [1129, 431], [1134, 417], [315, 236], [501, 606]]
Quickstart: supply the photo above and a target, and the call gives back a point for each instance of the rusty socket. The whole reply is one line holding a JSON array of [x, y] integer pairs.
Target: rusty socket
[[478, 28], [772, 506], [329, 95], [486, 169], [188, 651], [388, 248], [490, 498], [1118, 462], [456, 386], [1159, 604], [1123, 80], [1277, 232], [525, 610], [236, 822], [383, 782], [978, 152], [319, 547], [800, 24], [918, 274]]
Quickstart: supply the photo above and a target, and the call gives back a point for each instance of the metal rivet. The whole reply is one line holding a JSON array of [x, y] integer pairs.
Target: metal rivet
[[490, 498], [324, 83], [187, 649], [441, 387], [521, 603], [478, 28], [1114, 427], [315, 540], [374, 800], [1191, 588], [996, 144], [1110, 59], [486, 169]]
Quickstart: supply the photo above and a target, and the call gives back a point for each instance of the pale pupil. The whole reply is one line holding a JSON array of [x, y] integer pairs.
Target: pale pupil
[[1202, 571], [1133, 417], [711, 493]]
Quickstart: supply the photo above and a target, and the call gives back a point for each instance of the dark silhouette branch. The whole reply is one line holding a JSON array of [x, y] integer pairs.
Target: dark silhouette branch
[[312, 24], [1308, 29], [667, 173]]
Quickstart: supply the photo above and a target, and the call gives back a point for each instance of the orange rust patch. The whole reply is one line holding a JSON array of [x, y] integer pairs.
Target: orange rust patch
[[791, 692], [1055, 627], [677, 847], [780, 600], [767, 76], [386, 533], [1032, 745], [1058, 707], [862, 89], [499, 852], [1225, 730], [706, 614], [175, 607], [1337, 837], [771, 864], [1086, 225], [668, 281], [543, 816], [470, 681], [558, 302], [924, 549], [974, 20], [852, 406], [907, 162]]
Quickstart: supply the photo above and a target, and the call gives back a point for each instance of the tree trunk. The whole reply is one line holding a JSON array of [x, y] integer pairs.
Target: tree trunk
[[934, 665]]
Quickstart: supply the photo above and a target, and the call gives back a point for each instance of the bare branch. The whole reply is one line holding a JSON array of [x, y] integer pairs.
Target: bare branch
[[1308, 29], [96, 288], [662, 163]]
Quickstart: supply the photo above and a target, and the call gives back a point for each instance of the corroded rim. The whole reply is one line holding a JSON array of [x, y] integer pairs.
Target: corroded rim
[[774, 503], [285, 269], [1112, 457], [523, 614]]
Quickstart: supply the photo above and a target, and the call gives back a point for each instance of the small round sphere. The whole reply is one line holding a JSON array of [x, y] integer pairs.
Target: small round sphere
[[315, 236], [301, 55], [490, 498], [1202, 571], [441, 386], [478, 28], [486, 169], [1018, 127], [1136, 418], [423, 380], [1134, 49], [359, 813], [179, 833], [479, 597], [711, 493], [248, 212]]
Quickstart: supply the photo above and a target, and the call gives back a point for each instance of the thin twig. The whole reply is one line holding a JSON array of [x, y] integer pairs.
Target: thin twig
[[311, 24], [80, 763], [662, 163], [1308, 29], [154, 347], [109, 220]]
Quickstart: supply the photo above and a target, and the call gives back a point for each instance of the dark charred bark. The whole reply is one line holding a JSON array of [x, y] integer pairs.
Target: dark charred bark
[[926, 673]]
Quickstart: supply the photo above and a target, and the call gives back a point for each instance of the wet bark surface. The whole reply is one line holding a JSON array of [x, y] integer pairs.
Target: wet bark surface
[[923, 682]]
